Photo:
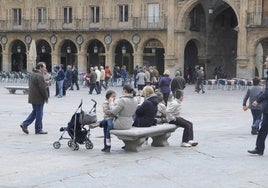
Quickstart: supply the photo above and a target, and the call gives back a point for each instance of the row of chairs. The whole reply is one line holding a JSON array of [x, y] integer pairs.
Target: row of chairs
[[228, 84], [14, 77]]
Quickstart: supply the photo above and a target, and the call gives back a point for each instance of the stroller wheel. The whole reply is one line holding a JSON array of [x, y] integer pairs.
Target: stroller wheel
[[75, 146], [89, 145], [70, 143], [56, 145]]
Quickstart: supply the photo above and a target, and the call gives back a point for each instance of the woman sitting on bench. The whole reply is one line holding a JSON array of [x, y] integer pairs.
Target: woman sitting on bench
[[173, 117]]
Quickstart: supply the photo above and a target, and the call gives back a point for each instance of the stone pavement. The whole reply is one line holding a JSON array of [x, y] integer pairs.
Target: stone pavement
[[220, 160]]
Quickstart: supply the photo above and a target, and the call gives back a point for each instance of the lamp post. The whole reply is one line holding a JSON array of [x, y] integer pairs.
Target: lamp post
[[68, 49]]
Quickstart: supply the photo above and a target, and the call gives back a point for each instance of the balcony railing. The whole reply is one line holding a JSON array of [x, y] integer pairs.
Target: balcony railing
[[256, 19], [135, 23]]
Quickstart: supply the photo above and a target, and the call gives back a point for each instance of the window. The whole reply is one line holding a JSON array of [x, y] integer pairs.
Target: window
[[195, 20], [123, 13], [95, 14], [42, 15], [153, 13], [67, 14], [16, 16]]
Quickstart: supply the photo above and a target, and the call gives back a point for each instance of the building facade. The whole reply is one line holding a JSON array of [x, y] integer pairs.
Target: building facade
[[226, 36]]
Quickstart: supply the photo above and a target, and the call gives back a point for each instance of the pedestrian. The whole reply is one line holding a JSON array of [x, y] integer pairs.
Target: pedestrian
[[74, 78], [123, 73], [173, 113], [146, 112], [252, 95], [141, 79], [68, 77], [178, 82], [200, 80], [164, 85], [107, 122], [102, 78], [108, 75], [37, 97], [47, 78], [98, 73], [92, 82], [136, 71], [260, 142], [60, 76]]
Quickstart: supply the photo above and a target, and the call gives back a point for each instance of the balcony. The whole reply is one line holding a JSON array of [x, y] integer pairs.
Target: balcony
[[256, 19], [134, 23]]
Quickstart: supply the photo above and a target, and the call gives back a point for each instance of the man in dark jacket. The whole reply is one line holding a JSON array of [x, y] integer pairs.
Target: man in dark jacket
[[178, 82], [260, 143], [37, 97]]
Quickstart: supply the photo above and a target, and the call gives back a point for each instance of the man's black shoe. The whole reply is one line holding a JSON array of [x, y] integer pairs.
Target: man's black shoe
[[41, 132], [255, 151], [24, 129]]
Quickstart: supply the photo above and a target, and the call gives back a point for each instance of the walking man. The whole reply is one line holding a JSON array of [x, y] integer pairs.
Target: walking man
[[37, 97]]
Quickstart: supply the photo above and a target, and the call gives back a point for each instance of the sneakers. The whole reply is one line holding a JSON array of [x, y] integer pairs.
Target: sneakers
[[254, 130], [193, 143], [24, 129], [106, 149], [190, 143], [185, 144], [40, 132]]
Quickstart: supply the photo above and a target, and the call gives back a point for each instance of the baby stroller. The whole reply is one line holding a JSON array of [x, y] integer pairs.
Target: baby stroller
[[76, 128]]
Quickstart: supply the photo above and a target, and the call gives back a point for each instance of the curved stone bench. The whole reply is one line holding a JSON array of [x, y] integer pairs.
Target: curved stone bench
[[13, 89], [135, 137]]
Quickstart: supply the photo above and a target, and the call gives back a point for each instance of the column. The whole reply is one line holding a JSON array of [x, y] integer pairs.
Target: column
[[6, 62], [242, 59], [82, 60]]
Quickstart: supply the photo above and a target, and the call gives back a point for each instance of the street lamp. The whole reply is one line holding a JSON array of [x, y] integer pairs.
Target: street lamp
[[153, 50], [95, 49]]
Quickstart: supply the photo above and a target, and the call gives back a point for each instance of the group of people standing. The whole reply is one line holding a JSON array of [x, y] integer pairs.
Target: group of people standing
[[65, 79]]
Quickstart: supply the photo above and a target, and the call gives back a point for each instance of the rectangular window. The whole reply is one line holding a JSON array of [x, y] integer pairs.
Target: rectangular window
[[67, 11], [42, 15], [95, 14], [123, 13], [153, 13], [17, 16]]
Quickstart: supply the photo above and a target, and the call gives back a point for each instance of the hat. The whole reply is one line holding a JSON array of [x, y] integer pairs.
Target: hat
[[166, 72]]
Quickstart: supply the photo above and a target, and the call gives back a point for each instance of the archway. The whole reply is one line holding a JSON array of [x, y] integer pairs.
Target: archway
[[153, 55], [261, 52], [18, 56], [96, 54], [190, 60], [44, 53], [124, 55], [68, 53]]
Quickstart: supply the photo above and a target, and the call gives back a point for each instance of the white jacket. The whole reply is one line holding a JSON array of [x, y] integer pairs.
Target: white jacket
[[173, 109]]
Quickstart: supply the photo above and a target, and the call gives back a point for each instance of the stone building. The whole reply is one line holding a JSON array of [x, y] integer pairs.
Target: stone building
[[230, 36]]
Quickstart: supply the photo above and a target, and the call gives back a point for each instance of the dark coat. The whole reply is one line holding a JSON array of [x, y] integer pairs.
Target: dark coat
[[37, 89], [263, 99], [164, 84], [177, 83], [145, 114]]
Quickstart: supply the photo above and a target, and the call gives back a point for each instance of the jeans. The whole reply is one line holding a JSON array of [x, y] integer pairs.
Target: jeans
[[107, 125], [188, 128], [256, 114], [37, 115], [60, 86], [260, 143]]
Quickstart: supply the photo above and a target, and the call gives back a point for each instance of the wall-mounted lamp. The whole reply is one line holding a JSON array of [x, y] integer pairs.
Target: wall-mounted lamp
[[124, 50], [43, 49], [153, 50], [210, 10], [68, 49], [18, 49], [95, 49]]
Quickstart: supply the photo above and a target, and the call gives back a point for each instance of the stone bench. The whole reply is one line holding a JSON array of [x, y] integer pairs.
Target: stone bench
[[135, 137], [13, 89]]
